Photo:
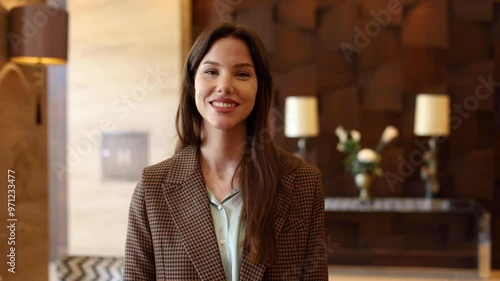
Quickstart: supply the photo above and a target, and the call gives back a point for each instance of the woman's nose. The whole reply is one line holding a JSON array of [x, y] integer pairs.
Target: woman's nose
[[225, 84]]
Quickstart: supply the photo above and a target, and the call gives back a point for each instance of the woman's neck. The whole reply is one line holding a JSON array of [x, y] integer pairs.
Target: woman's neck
[[222, 151]]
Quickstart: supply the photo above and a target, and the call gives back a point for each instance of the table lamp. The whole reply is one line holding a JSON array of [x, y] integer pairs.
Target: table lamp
[[432, 113], [301, 120], [38, 36]]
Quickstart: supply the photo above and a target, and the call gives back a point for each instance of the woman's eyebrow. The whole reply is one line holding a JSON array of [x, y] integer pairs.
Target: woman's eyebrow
[[244, 65], [236, 65]]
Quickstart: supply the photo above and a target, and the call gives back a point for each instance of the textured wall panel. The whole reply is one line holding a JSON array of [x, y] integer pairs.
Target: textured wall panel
[[383, 48], [336, 25], [462, 33], [300, 13], [386, 12], [426, 24], [295, 47], [477, 10], [381, 88], [423, 67], [260, 19], [333, 69], [299, 81], [340, 107], [472, 86]]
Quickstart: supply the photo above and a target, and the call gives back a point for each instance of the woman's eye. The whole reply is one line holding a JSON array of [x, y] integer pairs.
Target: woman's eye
[[210, 71], [243, 74]]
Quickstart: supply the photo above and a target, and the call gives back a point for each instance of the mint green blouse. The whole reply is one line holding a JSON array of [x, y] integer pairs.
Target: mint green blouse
[[230, 231]]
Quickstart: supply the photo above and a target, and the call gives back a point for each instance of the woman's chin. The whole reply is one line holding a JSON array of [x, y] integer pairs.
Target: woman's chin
[[225, 126]]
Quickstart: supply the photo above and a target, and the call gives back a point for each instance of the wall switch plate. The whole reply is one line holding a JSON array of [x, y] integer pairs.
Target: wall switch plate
[[124, 155]]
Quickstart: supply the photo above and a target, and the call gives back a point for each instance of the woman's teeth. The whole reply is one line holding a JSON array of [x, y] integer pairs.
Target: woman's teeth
[[221, 104]]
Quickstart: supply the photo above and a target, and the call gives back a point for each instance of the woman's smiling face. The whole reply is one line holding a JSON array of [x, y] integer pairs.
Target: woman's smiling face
[[226, 84]]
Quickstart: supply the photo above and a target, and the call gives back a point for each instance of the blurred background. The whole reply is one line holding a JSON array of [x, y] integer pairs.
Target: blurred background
[[78, 133]]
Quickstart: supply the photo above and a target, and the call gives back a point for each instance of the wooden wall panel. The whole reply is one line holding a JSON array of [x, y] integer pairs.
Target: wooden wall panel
[[381, 88], [423, 67], [426, 24], [383, 48], [336, 25], [299, 81], [295, 47], [300, 13], [260, 19], [467, 85], [333, 70], [462, 33], [382, 11], [476, 162], [340, 107], [477, 11], [248, 5]]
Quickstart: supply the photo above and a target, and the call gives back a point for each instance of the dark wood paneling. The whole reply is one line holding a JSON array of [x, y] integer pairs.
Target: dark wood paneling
[[423, 68], [382, 49], [295, 47], [336, 25], [300, 13], [426, 24], [477, 10], [462, 33], [381, 88], [333, 70], [387, 13], [260, 19], [299, 81], [469, 86]]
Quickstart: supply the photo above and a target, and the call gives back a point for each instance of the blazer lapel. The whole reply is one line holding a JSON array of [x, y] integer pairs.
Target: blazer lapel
[[255, 271], [186, 196]]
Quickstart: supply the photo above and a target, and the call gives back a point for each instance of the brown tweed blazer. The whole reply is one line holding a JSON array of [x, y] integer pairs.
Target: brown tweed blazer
[[171, 234]]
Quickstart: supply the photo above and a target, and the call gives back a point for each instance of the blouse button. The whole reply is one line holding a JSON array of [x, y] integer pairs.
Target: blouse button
[[222, 241], [219, 207]]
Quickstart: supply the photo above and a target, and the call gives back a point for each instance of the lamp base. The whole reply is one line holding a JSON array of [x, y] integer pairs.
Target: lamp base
[[429, 170], [302, 146]]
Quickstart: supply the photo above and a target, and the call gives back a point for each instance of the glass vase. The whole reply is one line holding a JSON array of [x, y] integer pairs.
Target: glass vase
[[364, 182]]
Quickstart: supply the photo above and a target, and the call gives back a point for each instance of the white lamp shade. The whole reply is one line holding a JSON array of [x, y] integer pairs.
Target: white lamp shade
[[432, 115], [301, 116]]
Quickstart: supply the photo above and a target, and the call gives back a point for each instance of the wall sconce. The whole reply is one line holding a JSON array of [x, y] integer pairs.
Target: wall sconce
[[301, 120], [38, 36], [432, 113]]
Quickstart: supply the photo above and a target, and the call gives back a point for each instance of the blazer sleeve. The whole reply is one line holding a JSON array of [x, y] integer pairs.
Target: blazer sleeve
[[139, 254], [316, 265]]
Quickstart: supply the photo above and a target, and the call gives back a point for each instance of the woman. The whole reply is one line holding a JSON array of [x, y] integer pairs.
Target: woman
[[228, 205]]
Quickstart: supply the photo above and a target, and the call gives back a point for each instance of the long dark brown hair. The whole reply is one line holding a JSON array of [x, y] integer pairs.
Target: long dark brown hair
[[259, 168]]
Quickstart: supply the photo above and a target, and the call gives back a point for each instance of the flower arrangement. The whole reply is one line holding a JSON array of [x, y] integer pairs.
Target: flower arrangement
[[364, 164]]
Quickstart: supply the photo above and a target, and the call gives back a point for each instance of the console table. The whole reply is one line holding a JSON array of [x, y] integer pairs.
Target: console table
[[346, 211]]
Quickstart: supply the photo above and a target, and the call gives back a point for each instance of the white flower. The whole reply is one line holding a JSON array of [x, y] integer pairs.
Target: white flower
[[355, 135], [340, 147], [390, 133], [367, 155], [341, 134]]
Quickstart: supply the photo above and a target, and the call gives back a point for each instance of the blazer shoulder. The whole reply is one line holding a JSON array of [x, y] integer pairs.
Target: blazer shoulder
[[292, 164], [174, 169]]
